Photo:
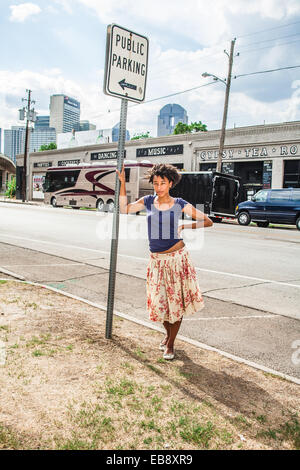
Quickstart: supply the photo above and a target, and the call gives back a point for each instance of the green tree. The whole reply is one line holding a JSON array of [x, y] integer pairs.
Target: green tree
[[11, 188], [51, 146], [198, 127], [182, 128], [141, 135]]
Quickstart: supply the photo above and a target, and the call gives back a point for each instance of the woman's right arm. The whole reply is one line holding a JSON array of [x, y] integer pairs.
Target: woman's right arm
[[124, 207]]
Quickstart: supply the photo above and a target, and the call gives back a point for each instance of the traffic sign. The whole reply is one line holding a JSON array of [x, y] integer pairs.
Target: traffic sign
[[126, 64]]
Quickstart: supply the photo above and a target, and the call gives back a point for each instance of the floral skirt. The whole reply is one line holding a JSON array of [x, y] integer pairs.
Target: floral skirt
[[172, 287]]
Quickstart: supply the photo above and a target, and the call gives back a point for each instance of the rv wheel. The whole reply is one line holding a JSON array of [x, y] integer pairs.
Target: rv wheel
[[110, 205], [53, 202], [100, 205], [244, 218], [298, 223]]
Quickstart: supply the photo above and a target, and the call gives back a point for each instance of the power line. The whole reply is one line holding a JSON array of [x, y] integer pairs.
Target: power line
[[269, 40], [269, 29], [268, 47], [157, 99], [267, 71]]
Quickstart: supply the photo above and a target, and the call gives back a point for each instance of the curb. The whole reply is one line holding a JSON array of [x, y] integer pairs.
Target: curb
[[29, 203], [157, 328]]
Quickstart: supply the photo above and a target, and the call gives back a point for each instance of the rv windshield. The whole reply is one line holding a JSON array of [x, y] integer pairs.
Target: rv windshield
[[55, 180]]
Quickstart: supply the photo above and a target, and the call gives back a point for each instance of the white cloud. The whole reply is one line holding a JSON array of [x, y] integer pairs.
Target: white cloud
[[175, 69], [200, 20], [20, 13]]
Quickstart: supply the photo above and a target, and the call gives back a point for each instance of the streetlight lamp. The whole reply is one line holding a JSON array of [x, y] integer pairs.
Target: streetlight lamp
[[227, 83], [205, 75]]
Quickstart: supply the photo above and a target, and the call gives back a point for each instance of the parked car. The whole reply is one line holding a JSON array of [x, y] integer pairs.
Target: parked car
[[278, 206]]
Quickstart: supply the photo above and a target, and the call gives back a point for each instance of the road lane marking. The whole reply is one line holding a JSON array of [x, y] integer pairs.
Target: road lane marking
[[62, 245]]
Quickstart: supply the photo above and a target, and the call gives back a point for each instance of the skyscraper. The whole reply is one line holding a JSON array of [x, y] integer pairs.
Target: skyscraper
[[14, 141], [168, 117], [64, 113], [115, 133], [42, 121], [41, 136], [84, 126]]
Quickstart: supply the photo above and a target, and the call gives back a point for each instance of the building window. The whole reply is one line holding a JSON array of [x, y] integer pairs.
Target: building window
[[179, 166], [291, 177], [207, 166]]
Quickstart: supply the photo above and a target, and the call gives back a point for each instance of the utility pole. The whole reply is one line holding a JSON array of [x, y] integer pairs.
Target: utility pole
[[228, 83], [30, 117]]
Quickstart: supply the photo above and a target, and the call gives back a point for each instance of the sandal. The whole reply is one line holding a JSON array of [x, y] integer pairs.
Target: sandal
[[169, 356]]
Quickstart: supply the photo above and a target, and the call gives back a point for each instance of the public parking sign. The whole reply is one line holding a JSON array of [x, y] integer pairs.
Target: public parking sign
[[126, 64]]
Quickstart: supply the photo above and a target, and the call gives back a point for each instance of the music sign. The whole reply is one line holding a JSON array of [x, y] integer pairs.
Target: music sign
[[126, 64]]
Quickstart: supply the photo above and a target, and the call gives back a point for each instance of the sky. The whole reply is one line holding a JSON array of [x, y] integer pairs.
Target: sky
[[58, 46]]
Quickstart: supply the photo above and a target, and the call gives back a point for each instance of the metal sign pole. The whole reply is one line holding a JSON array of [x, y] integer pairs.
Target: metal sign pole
[[115, 228]]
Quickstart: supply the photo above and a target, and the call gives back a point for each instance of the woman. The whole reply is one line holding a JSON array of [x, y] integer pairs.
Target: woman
[[172, 287]]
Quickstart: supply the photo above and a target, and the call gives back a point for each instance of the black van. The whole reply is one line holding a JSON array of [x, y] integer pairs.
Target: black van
[[218, 192], [278, 206]]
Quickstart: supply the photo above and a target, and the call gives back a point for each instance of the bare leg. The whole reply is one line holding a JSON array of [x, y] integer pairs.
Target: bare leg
[[167, 326], [174, 328]]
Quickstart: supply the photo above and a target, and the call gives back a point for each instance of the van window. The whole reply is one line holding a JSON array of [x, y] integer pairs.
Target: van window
[[296, 196], [127, 175], [261, 196], [278, 195]]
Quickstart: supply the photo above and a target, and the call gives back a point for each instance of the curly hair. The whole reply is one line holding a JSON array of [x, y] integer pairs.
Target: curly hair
[[164, 170]]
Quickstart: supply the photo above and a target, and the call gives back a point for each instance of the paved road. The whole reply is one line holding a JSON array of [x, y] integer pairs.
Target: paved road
[[250, 277]]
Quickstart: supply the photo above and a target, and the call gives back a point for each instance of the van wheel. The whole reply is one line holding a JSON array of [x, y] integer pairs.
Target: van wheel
[[100, 205], [244, 218], [110, 205], [262, 224], [298, 223]]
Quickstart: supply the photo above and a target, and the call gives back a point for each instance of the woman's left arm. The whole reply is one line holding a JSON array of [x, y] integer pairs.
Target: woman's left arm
[[202, 219]]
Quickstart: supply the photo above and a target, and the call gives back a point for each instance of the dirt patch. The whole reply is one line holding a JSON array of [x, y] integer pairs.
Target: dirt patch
[[64, 386]]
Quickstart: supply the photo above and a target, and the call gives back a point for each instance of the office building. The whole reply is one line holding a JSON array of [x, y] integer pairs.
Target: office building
[[0, 140], [41, 122], [168, 117], [14, 141], [115, 133], [41, 136], [64, 113], [84, 126]]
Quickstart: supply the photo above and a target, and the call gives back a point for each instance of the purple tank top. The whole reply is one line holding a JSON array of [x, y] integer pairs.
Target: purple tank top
[[163, 225]]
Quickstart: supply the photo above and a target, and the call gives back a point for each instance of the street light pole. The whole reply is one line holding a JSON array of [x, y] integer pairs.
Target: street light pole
[[228, 83]]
